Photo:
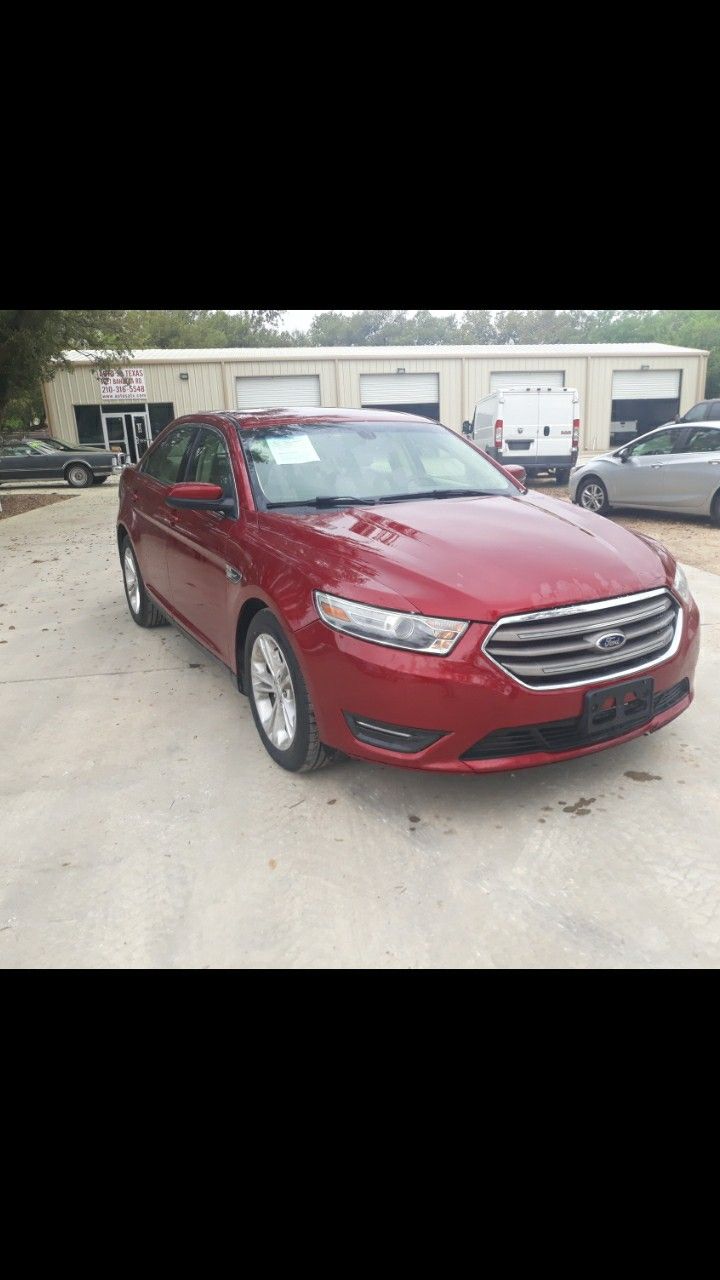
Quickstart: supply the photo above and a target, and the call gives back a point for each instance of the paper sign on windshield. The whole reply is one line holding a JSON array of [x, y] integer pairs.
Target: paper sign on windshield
[[293, 449]]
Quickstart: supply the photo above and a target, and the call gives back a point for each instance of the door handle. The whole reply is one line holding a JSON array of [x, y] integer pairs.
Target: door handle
[[656, 466], [714, 462]]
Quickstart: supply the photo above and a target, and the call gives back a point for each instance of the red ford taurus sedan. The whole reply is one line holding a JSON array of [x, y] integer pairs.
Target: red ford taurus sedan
[[381, 588]]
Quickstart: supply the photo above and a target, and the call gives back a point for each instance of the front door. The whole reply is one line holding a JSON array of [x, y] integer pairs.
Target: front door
[[643, 479], [197, 551], [140, 427], [129, 432], [115, 434]]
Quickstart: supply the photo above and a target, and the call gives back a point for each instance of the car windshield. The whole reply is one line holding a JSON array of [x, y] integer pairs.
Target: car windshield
[[347, 463]]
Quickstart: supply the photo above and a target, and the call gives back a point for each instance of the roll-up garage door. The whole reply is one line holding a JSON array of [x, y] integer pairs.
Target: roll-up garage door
[[653, 384], [399, 388], [278, 393], [526, 378]]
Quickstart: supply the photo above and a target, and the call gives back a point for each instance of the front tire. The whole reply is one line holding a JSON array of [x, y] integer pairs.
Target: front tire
[[79, 476], [715, 509], [142, 609], [279, 699], [593, 496]]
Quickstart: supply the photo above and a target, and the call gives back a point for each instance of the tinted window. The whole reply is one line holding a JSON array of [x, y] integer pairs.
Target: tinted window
[[17, 451], [160, 415], [210, 462], [707, 441], [660, 442], [698, 412], [166, 461], [89, 424], [714, 413]]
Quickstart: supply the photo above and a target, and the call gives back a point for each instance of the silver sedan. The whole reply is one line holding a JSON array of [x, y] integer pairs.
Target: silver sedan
[[675, 468]]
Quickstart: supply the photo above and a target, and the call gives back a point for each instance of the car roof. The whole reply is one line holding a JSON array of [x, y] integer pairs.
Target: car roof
[[251, 418]]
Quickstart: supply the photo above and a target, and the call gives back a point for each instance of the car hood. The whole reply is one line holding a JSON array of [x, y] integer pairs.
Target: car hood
[[474, 558]]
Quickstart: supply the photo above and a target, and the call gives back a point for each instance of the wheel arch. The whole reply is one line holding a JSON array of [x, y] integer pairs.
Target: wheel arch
[[78, 462], [250, 607]]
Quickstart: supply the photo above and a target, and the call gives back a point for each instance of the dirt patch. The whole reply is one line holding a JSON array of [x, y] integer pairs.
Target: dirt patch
[[692, 539], [16, 504]]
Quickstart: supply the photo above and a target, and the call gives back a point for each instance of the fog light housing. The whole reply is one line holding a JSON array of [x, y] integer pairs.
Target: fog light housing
[[391, 737]]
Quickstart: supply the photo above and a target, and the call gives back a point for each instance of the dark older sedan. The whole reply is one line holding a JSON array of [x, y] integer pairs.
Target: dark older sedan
[[35, 460]]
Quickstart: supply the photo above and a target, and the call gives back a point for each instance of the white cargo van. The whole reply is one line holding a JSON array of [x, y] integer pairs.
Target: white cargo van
[[537, 427]]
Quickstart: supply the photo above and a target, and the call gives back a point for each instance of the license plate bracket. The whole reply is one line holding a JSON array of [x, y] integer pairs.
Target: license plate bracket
[[618, 709]]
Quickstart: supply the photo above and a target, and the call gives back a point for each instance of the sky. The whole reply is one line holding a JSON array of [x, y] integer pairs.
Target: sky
[[303, 319]]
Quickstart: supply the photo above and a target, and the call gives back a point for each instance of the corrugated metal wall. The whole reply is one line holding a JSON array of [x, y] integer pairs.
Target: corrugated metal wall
[[463, 381]]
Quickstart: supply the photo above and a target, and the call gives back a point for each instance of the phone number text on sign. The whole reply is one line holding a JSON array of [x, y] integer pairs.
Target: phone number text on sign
[[123, 384]]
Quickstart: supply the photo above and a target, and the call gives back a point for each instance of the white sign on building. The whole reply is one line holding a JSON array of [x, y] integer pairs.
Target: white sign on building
[[122, 384]]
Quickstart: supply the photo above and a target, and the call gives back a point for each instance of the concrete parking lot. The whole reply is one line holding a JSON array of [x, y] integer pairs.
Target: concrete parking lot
[[142, 823]]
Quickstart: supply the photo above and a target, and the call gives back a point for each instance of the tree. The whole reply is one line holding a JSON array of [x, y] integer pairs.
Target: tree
[[205, 329], [31, 351]]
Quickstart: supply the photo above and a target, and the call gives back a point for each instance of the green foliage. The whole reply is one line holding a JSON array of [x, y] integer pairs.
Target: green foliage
[[31, 347], [187, 329]]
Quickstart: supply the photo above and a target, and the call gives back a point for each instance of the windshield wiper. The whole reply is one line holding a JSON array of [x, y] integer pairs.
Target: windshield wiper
[[439, 493], [346, 501]]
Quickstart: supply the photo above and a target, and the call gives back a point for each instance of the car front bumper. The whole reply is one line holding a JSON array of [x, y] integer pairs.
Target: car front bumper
[[463, 697]]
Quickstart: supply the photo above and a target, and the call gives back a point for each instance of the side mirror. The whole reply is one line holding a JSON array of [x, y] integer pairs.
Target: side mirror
[[623, 454], [517, 473], [199, 497], [467, 428], [678, 417]]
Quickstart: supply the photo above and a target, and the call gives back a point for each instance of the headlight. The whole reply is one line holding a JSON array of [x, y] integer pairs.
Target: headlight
[[384, 626], [680, 584]]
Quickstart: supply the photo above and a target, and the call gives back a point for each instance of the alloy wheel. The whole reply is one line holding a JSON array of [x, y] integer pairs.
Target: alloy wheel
[[273, 692], [132, 581], [592, 498]]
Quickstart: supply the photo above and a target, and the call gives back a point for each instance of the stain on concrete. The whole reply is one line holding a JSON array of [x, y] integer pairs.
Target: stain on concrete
[[581, 807], [637, 775]]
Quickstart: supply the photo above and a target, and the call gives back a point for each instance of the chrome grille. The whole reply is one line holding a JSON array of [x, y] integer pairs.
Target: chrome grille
[[558, 648]]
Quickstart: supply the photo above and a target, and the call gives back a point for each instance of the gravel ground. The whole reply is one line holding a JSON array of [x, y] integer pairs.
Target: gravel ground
[[16, 504], [692, 539]]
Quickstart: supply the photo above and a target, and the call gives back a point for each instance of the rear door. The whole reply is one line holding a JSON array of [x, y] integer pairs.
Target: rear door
[[691, 476], [520, 418], [148, 488], [555, 425]]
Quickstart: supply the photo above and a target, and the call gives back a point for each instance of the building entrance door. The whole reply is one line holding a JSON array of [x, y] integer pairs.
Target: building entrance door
[[130, 432]]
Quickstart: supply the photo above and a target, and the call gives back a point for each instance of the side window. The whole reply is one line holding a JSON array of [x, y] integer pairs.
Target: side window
[[714, 414], [660, 442], [210, 462], [165, 462], [707, 441], [696, 414]]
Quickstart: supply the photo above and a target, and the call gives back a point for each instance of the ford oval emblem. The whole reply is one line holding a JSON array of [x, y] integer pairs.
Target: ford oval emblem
[[611, 640]]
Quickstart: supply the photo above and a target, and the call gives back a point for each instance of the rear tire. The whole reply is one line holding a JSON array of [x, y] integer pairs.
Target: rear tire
[[79, 476], [279, 699], [592, 496], [715, 508], [562, 475], [142, 609]]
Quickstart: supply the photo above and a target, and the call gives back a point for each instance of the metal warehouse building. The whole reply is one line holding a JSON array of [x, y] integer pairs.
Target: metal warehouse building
[[624, 389]]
